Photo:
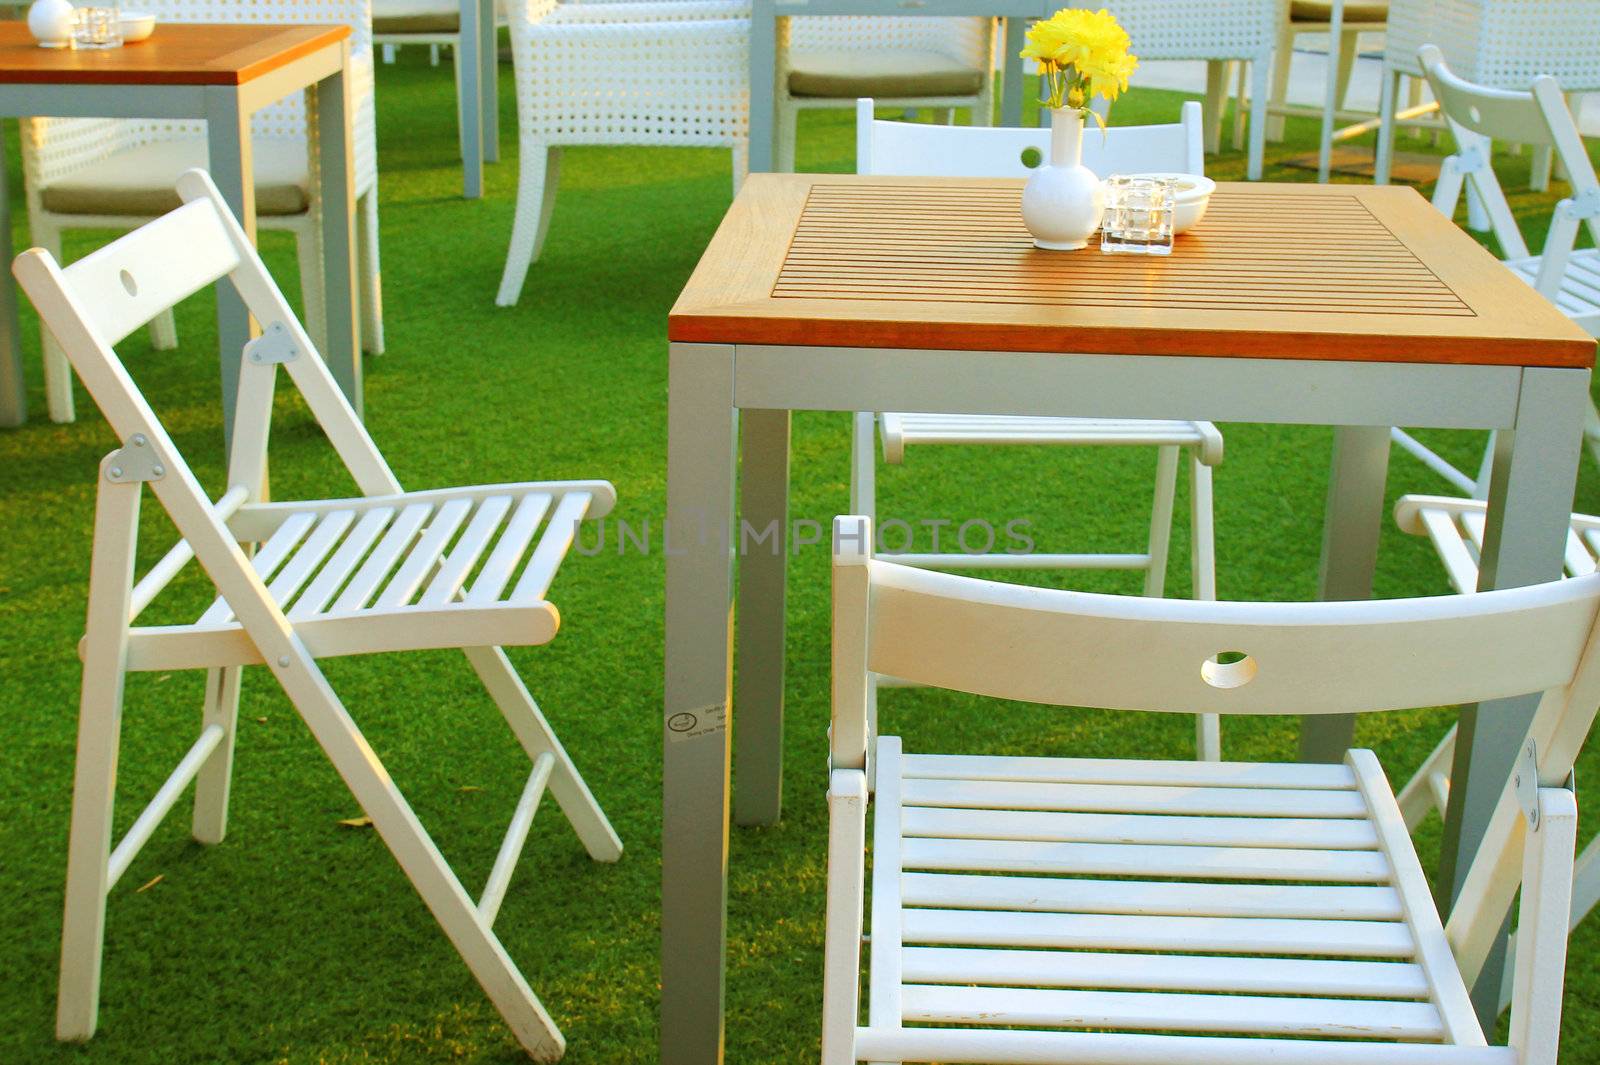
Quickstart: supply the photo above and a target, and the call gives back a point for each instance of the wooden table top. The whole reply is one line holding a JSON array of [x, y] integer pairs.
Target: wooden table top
[[175, 54], [1353, 272]]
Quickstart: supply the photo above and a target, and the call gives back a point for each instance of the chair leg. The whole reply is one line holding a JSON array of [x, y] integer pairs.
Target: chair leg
[[1259, 70], [1241, 95], [308, 248], [1429, 785], [94, 782], [536, 736], [433, 55], [536, 201], [388, 54], [164, 331], [57, 370], [419, 857], [1216, 103], [371, 274], [741, 163], [1591, 433], [461, 133], [788, 132], [1282, 59], [864, 464], [1389, 93], [214, 781], [1203, 576], [1349, 51], [1155, 577]]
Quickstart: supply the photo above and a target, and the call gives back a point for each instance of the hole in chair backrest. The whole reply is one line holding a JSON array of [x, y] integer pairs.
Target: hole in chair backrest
[[1228, 669], [129, 283], [1474, 114], [1031, 157]]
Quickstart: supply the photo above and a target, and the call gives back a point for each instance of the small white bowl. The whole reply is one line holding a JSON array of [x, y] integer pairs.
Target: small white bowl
[[1194, 196], [136, 26]]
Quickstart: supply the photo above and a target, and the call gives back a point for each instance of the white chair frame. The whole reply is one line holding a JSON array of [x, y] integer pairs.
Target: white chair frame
[[1455, 527], [910, 148], [305, 594], [950, 35], [946, 814], [1567, 277]]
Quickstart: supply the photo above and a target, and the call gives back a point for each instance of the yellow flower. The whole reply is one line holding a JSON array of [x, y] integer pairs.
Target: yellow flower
[[1082, 53]]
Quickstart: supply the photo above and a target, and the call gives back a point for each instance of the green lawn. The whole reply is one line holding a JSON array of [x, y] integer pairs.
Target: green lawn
[[298, 940]]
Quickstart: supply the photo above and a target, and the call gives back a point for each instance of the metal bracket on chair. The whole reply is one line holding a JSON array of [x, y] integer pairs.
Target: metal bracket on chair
[[1586, 205], [1525, 779], [1473, 159], [274, 345], [134, 461]]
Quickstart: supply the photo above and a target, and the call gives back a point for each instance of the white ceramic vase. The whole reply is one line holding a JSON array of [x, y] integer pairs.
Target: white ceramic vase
[[1063, 200], [50, 22]]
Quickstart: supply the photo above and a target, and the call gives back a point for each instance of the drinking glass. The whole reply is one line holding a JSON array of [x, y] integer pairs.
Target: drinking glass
[[1138, 218], [97, 27]]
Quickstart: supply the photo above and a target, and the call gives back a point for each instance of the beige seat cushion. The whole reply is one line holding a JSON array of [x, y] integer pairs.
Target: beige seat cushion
[[139, 181], [1322, 11], [847, 75], [440, 22]]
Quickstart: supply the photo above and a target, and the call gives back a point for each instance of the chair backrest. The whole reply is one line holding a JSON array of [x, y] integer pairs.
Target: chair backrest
[[1064, 648], [915, 149], [1478, 116], [961, 39], [98, 300], [1228, 29]]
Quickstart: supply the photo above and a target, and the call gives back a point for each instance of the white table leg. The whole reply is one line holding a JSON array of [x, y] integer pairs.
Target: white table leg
[[701, 459], [230, 158], [759, 649], [13, 386], [1534, 474], [1330, 105], [1351, 524], [334, 110]]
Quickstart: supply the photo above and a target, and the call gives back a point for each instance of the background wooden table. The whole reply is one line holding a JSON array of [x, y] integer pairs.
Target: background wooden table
[[1356, 307], [222, 74]]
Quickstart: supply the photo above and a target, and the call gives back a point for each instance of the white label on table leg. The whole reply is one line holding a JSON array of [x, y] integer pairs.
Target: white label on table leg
[[690, 724]]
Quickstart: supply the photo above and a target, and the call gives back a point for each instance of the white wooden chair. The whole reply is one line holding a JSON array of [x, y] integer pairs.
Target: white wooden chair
[[117, 173], [687, 83], [1455, 527], [385, 571], [941, 64], [1069, 910], [1567, 276], [909, 148]]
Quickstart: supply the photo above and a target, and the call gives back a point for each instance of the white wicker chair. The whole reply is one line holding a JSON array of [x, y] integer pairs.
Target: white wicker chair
[[101, 173], [1222, 33], [914, 61], [1499, 44], [661, 72]]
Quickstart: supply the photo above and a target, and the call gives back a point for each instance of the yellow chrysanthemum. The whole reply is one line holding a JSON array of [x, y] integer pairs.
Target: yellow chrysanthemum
[[1082, 53]]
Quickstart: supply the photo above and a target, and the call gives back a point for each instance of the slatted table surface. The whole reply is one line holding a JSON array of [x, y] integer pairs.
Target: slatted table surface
[[1275, 270]]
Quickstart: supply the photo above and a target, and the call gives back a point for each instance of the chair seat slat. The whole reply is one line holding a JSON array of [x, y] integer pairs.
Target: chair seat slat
[[1253, 1015], [1133, 798], [465, 554], [344, 561], [1112, 859], [514, 540], [424, 556], [1129, 771], [1449, 542], [1193, 935], [1050, 827], [559, 532], [1160, 972], [382, 559], [294, 574], [1152, 898], [268, 557]]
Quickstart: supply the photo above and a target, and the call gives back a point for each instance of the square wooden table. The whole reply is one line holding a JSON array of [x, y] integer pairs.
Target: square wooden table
[[1351, 306], [222, 74]]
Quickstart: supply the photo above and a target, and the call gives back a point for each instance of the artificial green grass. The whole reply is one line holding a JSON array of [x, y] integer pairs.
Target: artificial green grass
[[297, 939]]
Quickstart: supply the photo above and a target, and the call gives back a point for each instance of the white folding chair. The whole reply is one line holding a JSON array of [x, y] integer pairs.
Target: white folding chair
[[1567, 276], [915, 149], [1072, 910], [386, 571], [1455, 527]]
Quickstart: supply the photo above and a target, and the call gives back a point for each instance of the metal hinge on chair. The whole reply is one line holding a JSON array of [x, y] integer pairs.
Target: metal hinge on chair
[[1584, 206], [274, 345], [1525, 779], [134, 461]]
